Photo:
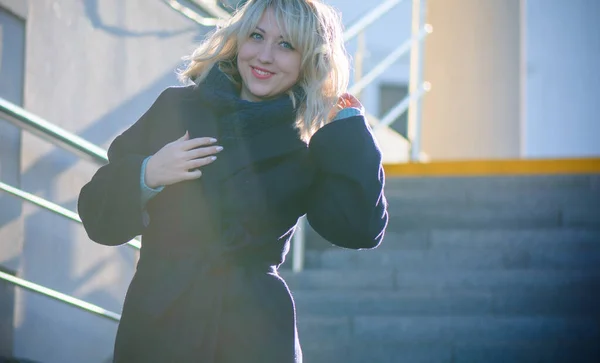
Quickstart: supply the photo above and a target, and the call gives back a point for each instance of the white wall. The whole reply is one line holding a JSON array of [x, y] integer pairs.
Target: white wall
[[563, 74]]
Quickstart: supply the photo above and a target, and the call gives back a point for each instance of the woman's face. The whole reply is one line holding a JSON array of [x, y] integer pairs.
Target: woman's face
[[268, 64]]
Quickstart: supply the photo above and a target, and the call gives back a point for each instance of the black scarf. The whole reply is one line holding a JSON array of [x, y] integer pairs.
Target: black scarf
[[238, 118], [250, 132]]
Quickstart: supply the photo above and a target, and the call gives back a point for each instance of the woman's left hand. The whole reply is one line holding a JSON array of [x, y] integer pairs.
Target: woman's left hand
[[345, 101]]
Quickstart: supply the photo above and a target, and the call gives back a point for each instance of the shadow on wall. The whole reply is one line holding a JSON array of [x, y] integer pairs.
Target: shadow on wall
[[91, 11]]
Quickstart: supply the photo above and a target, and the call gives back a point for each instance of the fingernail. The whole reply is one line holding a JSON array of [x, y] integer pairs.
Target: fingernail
[[213, 158], [213, 140], [219, 148]]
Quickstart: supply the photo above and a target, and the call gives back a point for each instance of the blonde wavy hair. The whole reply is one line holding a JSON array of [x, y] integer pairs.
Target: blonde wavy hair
[[313, 28]]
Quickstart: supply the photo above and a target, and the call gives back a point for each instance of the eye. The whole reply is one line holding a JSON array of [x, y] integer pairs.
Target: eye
[[256, 36], [287, 45]]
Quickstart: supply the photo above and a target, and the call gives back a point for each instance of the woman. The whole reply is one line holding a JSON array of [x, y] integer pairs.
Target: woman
[[215, 175]]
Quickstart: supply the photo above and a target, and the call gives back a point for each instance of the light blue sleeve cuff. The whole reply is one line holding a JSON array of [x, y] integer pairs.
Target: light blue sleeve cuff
[[147, 192], [347, 112]]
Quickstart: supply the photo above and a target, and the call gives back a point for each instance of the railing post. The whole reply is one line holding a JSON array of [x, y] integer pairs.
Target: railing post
[[370, 17], [64, 298], [416, 79], [298, 245], [359, 59]]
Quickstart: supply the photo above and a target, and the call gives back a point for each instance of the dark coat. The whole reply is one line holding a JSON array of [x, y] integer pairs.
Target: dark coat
[[206, 287]]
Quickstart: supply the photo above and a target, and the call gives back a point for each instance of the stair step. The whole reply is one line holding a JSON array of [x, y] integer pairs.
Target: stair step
[[547, 352], [458, 328], [349, 303], [521, 183], [376, 352], [452, 329], [490, 217], [579, 238], [426, 238], [439, 280], [422, 239], [508, 280], [533, 198], [519, 215], [493, 197], [339, 280], [514, 238], [480, 257], [582, 217], [434, 352], [461, 302]]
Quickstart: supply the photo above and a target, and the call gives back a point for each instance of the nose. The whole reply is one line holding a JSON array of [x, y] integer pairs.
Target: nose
[[265, 54]]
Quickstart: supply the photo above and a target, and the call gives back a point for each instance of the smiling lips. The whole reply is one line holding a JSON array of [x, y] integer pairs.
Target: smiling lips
[[261, 73]]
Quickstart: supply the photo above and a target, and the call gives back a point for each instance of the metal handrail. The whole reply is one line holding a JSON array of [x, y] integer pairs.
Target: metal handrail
[[298, 245], [402, 107], [52, 133], [388, 61], [57, 136], [369, 18], [190, 14], [212, 8], [60, 297], [54, 208]]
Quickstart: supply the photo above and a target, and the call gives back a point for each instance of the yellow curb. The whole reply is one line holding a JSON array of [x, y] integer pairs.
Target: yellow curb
[[496, 167]]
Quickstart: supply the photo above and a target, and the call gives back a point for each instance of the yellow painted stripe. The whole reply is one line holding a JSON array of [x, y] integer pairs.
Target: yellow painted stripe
[[496, 167]]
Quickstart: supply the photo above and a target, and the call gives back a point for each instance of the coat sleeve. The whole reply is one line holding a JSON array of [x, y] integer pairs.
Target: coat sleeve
[[347, 205], [109, 205]]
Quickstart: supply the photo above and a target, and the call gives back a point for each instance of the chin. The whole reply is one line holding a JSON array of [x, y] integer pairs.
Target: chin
[[261, 95]]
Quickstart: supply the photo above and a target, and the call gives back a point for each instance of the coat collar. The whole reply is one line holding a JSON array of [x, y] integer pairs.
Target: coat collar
[[251, 132], [220, 93]]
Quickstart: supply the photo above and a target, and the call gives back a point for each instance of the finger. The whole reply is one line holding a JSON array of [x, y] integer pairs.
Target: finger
[[352, 101], [197, 163], [342, 103], [193, 174], [349, 100], [343, 98], [197, 142], [185, 137], [202, 152]]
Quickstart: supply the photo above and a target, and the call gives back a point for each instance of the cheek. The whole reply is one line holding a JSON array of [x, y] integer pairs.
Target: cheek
[[293, 68], [244, 53]]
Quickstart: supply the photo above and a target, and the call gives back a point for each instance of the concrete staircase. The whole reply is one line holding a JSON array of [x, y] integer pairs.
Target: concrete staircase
[[489, 269]]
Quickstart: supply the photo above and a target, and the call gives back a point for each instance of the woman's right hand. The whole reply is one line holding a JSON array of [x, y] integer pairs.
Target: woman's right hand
[[180, 160]]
